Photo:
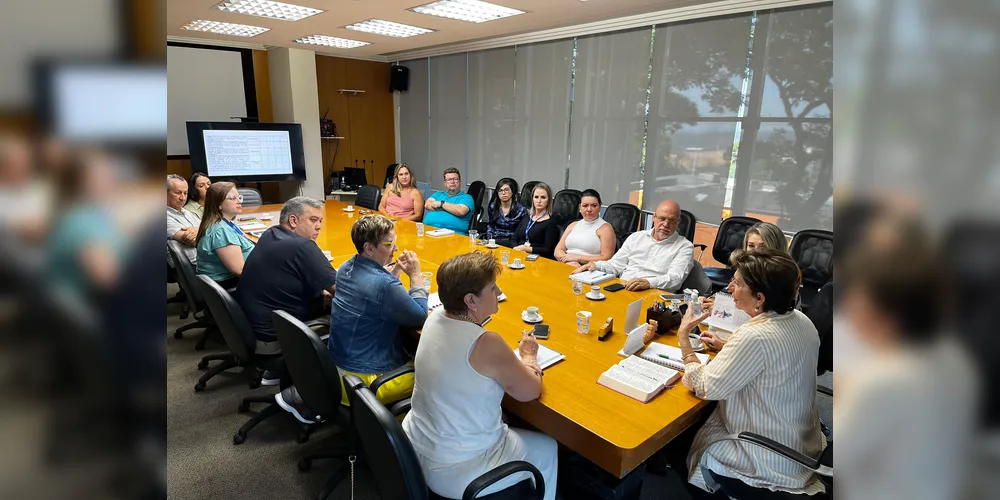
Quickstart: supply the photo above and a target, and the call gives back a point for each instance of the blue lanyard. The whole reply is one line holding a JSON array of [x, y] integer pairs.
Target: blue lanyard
[[531, 223], [237, 228]]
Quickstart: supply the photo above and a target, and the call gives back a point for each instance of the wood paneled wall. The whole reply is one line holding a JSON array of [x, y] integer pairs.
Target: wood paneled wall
[[364, 120]]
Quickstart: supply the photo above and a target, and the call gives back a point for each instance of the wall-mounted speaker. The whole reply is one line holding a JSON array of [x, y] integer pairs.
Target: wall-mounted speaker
[[399, 78]]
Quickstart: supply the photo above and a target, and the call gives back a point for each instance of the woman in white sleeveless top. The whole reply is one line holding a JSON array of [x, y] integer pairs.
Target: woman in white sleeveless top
[[462, 372], [590, 239]]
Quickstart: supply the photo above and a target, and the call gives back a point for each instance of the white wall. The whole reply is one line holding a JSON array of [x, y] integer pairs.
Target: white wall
[[295, 99]]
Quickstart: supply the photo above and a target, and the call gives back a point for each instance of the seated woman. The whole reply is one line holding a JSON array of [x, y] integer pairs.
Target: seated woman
[[222, 246], [589, 239], [371, 305], [462, 373], [766, 377], [765, 235], [402, 198], [197, 187], [505, 213], [537, 233]]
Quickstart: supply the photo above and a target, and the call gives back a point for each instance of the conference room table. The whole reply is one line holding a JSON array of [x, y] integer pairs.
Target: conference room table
[[610, 429]]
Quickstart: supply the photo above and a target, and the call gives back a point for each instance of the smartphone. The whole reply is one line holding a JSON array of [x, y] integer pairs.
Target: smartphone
[[531, 256], [541, 332], [614, 287]]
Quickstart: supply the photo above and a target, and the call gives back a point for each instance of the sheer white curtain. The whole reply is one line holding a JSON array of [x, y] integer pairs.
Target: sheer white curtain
[[447, 117], [491, 115], [414, 136], [541, 113]]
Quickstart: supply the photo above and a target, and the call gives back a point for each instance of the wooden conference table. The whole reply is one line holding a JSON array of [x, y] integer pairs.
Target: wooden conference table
[[611, 430]]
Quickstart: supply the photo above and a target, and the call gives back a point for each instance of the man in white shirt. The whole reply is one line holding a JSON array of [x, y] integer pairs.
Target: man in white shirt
[[655, 258], [182, 225]]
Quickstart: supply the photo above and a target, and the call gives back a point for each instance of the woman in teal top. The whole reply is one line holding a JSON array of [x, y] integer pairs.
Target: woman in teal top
[[222, 245]]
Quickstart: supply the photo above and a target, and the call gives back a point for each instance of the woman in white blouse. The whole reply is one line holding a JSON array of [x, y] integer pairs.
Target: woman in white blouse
[[765, 381], [589, 239]]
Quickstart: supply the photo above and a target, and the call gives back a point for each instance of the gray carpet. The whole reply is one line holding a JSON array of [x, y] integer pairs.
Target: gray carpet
[[202, 461]]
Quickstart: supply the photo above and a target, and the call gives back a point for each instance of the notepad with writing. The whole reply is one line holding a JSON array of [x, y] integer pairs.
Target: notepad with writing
[[638, 378], [725, 316], [591, 277], [546, 357], [655, 351], [440, 232]]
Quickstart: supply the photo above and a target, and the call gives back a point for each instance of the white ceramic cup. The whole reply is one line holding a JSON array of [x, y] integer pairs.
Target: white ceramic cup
[[595, 291], [517, 262], [532, 312], [350, 207], [492, 242]]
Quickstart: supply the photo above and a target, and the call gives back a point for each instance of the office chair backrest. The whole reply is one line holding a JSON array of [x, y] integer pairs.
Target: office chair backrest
[[624, 219], [310, 365], [389, 171], [228, 315], [566, 207], [812, 250], [687, 225], [698, 280], [385, 444], [251, 197], [185, 273], [821, 315], [526, 193], [369, 197], [730, 237], [477, 190], [477, 216], [495, 198]]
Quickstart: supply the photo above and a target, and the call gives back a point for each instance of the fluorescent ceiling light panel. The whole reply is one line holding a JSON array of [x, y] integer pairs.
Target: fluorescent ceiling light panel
[[388, 28], [224, 28], [472, 11], [268, 9], [330, 41]]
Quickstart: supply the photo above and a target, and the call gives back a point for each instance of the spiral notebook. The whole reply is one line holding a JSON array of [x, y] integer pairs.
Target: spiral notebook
[[546, 357], [725, 316], [655, 351]]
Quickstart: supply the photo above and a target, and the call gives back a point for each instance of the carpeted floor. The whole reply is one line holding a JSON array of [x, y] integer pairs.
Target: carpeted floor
[[202, 461]]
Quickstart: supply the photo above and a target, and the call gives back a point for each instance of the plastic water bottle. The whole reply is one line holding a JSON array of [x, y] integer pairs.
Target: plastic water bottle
[[693, 302]]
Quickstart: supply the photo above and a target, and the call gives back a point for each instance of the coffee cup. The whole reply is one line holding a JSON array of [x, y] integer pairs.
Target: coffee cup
[[517, 263], [595, 291], [350, 207], [532, 312], [492, 242]]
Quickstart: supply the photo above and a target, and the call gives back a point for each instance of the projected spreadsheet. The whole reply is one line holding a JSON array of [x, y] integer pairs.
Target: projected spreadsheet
[[247, 152]]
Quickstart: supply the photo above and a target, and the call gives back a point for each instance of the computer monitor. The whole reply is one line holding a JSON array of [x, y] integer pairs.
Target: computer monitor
[[354, 178], [247, 152]]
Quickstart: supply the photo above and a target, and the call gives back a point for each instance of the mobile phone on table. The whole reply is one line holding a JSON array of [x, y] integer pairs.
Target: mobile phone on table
[[614, 287], [541, 332], [531, 256]]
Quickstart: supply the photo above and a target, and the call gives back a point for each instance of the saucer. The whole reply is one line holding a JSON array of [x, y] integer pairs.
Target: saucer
[[591, 297], [524, 316], [492, 246], [346, 210], [512, 266]]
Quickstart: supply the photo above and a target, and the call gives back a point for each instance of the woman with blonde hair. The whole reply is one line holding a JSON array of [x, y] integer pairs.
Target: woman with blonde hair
[[537, 233], [402, 198], [765, 235]]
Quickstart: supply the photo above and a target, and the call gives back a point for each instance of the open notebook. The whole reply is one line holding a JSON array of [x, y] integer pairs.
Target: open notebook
[[440, 232], [638, 378], [667, 355], [592, 277], [546, 357]]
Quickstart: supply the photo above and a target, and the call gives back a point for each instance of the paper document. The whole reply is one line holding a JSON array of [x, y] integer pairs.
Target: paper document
[[253, 226], [440, 232], [725, 315], [656, 351], [592, 277], [632, 315], [546, 357]]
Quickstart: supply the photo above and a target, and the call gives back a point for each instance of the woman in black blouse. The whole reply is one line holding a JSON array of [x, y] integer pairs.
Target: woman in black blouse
[[505, 213], [537, 233]]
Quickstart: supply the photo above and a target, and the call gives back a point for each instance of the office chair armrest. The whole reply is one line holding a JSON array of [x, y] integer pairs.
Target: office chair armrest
[[319, 322], [487, 479], [824, 390], [401, 407], [385, 377], [801, 458], [701, 247], [351, 384]]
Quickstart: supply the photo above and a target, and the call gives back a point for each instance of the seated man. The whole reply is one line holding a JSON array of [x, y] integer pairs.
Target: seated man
[[654, 258], [287, 271], [182, 225], [452, 209]]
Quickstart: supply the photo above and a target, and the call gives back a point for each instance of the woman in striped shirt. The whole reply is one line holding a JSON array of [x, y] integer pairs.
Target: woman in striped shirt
[[765, 381]]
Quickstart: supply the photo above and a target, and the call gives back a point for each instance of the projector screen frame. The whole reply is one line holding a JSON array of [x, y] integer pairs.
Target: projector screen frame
[[196, 145], [249, 84]]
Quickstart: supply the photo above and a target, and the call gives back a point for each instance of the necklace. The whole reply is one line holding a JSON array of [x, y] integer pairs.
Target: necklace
[[469, 319]]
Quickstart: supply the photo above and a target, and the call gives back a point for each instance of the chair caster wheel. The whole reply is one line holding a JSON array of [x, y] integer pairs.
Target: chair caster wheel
[[303, 437], [203, 364], [200, 386], [254, 383], [305, 464], [239, 438], [244, 407], [178, 335]]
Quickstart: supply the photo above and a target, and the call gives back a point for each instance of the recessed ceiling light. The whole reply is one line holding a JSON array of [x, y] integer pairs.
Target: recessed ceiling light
[[388, 28], [224, 28], [330, 41], [472, 11], [268, 9]]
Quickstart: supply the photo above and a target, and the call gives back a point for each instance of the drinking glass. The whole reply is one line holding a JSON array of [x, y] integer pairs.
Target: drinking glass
[[420, 229], [583, 322], [473, 234], [577, 287], [505, 257]]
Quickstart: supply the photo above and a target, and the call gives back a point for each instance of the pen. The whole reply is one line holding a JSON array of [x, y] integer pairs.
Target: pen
[[664, 356]]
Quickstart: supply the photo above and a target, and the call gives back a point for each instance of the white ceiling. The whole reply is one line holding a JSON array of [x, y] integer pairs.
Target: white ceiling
[[541, 15]]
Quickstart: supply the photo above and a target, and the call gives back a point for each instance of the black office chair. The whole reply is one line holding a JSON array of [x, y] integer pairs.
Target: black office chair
[[185, 273], [476, 221], [566, 207], [368, 196], [812, 250], [821, 465], [821, 315], [388, 450], [526, 193], [686, 227], [477, 190], [729, 238], [251, 197], [317, 381], [624, 219]]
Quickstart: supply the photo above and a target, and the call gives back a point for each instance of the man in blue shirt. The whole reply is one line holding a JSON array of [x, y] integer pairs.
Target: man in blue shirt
[[452, 209]]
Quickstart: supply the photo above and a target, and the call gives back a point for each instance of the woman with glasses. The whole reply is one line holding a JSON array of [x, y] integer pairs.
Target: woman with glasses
[[505, 213], [371, 306], [537, 233], [589, 239], [222, 246], [401, 197]]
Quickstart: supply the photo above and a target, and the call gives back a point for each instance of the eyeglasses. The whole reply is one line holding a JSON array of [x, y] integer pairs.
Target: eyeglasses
[[452, 179], [238, 198], [672, 222], [388, 244], [503, 190]]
